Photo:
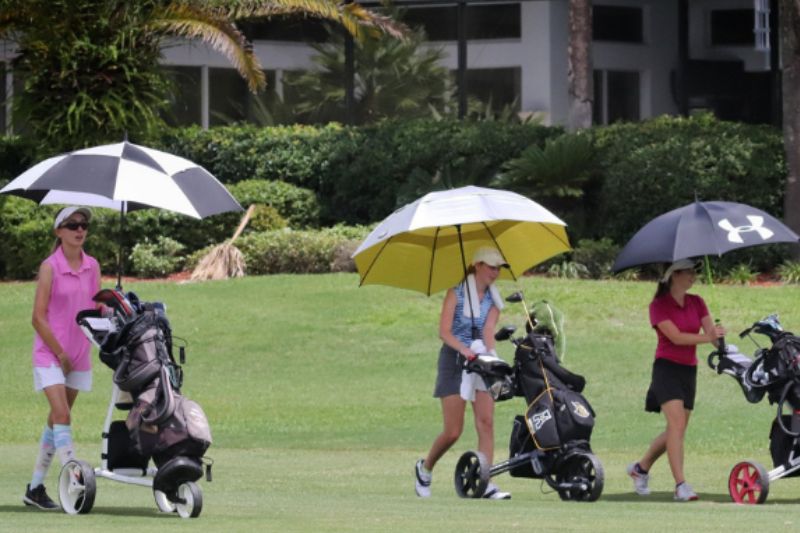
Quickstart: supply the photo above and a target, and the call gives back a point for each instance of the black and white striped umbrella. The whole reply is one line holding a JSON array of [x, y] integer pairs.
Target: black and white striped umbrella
[[126, 177]]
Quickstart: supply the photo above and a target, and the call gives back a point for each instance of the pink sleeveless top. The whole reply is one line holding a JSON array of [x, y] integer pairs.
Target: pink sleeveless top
[[70, 292]]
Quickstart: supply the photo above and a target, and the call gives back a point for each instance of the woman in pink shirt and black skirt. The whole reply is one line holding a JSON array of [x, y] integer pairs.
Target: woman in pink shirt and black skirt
[[67, 281], [681, 321]]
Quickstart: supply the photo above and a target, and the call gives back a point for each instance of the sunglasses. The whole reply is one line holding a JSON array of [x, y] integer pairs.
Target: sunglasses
[[73, 226]]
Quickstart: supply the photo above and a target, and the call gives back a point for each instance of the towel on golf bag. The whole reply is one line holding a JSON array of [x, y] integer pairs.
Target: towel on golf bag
[[470, 381]]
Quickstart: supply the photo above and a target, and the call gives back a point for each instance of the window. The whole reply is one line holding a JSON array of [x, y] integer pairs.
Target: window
[[499, 86], [229, 99], [732, 27], [483, 22], [616, 96], [185, 108], [617, 24]]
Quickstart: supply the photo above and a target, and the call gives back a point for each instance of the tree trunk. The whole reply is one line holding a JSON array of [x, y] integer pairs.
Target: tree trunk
[[579, 67], [789, 15]]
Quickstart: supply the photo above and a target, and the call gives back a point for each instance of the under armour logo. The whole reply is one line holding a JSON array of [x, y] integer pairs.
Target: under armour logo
[[756, 224]]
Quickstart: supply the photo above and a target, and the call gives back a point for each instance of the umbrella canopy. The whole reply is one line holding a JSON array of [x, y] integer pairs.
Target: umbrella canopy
[[424, 246], [702, 228], [124, 176]]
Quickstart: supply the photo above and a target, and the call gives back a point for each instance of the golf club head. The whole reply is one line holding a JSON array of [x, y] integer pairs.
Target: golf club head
[[515, 297], [505, 333]]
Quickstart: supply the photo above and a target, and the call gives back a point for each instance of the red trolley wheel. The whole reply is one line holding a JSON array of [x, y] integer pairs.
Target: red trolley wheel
[[748, 483]]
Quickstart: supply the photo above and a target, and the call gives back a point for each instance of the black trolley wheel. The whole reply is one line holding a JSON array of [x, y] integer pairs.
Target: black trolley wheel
[[76, 487], [585, 472], [472, 475]]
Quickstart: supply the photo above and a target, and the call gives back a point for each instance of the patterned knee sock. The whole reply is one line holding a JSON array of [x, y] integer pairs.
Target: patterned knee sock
[[46, 450], [62, 435]]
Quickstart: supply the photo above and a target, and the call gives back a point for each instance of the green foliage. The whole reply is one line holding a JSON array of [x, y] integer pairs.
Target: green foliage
[[359, 174], [89, 71], [597, 256], [559, 169], [157, 259], [266, 218], [651, 167], [568, 270], [298, 206], [290, 251], [16, 155], [789, 272], [740, 274], [26, 234], [393, 78]]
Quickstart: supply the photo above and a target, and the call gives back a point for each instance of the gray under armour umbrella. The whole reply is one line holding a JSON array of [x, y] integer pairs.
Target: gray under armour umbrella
[[699, 229], [124, 176]]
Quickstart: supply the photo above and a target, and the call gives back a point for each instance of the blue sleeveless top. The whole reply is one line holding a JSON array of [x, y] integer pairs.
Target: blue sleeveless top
[[462, 325]]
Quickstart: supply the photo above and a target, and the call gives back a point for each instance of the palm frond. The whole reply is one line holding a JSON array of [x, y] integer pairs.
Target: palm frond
[[353, 17], [213, 27]]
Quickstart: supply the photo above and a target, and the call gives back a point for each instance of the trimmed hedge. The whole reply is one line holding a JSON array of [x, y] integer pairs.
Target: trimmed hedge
[[311, 176], [652, 167], [360, 174]]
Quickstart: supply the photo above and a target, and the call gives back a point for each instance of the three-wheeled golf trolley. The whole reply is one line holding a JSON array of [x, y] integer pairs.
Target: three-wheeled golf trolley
[[551, 440], [774, 372], [161, 425]]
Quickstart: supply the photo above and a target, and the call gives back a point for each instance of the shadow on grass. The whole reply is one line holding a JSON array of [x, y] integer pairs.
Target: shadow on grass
[[666, 497], [143, 512]]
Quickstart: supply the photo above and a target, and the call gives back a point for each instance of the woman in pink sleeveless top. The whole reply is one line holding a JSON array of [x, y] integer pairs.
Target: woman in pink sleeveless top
[[67, 280]]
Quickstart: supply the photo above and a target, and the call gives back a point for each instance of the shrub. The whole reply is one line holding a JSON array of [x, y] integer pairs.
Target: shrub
[[26, 234], [789, 272], [597, 256], [293, 251], [157, 259], [359, 174], [740, 274], [568, 270], [298, 206], [654, 166], [266, 218]]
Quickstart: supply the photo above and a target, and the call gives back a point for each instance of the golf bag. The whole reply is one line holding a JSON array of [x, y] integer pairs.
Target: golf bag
[[161, 423], [558, 417]]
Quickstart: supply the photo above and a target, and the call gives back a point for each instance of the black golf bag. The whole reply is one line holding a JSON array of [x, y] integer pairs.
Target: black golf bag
[[558, 417], [162, 424]]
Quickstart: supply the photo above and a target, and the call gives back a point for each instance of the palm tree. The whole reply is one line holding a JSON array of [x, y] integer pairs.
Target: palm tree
[[90, 67], [580, 64], [790, 48], [393, 78]]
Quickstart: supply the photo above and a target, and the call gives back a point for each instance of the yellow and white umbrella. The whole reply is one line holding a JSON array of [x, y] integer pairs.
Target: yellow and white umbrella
[[424, 245]]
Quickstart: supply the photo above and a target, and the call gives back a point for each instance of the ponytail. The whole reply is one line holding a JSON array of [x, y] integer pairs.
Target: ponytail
[[663, 288], [56, 245]]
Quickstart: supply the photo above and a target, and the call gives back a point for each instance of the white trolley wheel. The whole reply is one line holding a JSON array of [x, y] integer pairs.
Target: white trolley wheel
[[164, 504], [76, 487], [190, 500]]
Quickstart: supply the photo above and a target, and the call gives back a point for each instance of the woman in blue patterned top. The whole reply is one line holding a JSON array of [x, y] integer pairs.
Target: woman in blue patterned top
[[466, 321]]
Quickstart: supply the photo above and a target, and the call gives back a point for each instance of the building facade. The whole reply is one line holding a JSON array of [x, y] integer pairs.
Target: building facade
[[650, 57]]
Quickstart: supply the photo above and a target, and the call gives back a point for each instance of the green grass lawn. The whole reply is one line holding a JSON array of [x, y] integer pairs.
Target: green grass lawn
[[319, 396]]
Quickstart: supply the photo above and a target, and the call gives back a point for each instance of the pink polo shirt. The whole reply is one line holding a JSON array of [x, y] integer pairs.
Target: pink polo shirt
[[70, 292], [688, 319]]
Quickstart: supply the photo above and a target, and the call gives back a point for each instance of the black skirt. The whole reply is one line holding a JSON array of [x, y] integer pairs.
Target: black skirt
[[671, 381]]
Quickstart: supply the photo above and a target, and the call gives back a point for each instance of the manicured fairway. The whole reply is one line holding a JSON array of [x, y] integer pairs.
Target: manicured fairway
[[318, 393]]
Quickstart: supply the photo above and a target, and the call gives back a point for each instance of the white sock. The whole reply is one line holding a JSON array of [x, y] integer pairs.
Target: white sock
[[46, 450], [62, 436]]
